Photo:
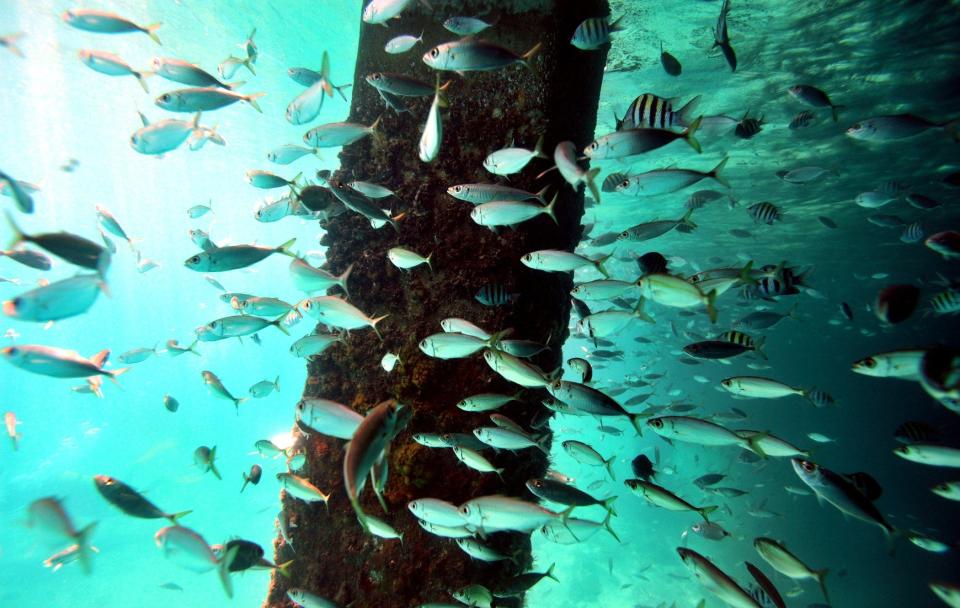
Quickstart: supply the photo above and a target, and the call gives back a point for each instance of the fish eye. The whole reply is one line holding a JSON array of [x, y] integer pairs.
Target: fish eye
[[165, 97], [594, 146], [528, 257], [625, 183], [13, 351], [17, 302], [465, 510], [194, 260], [435, 52], [458, 189], [856, 126], [808, 466], [656, 423]]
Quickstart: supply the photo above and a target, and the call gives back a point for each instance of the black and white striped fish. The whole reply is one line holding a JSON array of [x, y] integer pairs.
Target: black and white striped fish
[[891, 187], [946, 302], [593, 33], [916, 431], [819, 398], [912, 233], [748, 127], [765, 213], [495, 295], [649, 111], [611, 182], [802, 119], [738, 337]]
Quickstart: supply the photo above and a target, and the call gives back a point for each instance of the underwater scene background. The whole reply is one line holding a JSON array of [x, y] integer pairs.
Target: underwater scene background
[[873, 59]]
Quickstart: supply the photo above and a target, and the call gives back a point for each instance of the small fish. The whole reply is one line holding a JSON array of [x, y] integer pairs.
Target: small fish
[[111, 65], [802, 119], [820, 438], [264, 388], [912, 233], [900, 126], [9, 42], [170, 403], [508, 161], [593, 33], [49, 515], [670, 63], [204, 99], [946, 243], [405, 259], [924, 203], [10, 422], [402, 44], [284, 155], [471, 54], [200, 210], [812, 96], [748, 127], [218, 389], [465, 26], [130, 501], [232, 257]]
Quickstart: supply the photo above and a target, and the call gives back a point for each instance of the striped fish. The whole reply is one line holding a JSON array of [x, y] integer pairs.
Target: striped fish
[[801, 120], [912, 233], [819, 397], [765, 213], [767, 288], [648, 111], [914, 431], [737, 337], [891, 187], [748, 127], [495, 295], [946, 302], [611, 182], [594, 33]]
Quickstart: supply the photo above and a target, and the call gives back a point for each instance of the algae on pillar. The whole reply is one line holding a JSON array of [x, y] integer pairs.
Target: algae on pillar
[[557, 100]]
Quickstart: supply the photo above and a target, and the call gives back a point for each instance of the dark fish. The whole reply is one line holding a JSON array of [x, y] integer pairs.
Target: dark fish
[[253, 477], [519, 585], [681, 408], [130, 501], [912, 233], [611, 182], [843, 492], [608, 354], [721, 37], [952, 180], [916, 431], [715, 349], [702, 197], [171, 587], [246, 554], [33, 259], [583, 366], [740, 233], [748, 127], [801, 120], [896, 303], [886, 220], [708, 480], [813, 96], [494, 294], [643, 340], [765, 593], [670, 64], [919, 201], [748, 457], [726, 492], [846, 310], [69, 247], [561, 493], [610, 430], [765, 213], [690, 361], [643, 468], [393, 101], [826, 221], [652, 263], [653, 376], [581, 308]]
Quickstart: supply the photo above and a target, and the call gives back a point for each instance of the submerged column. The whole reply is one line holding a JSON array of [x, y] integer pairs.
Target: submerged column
[[557, 100]]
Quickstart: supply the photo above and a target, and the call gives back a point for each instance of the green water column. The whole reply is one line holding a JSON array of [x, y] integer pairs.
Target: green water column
[[556, 99]]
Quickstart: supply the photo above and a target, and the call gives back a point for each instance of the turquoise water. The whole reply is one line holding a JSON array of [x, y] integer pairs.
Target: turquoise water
[[870, 59]]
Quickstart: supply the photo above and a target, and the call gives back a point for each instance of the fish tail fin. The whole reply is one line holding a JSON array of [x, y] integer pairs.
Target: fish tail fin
[[246, 480], [549, 572], [342, 280], [174, 517], [85, 549], [549, 209], [538, 149], [685, 114], [821, 576], [598, 264], [609, 528], [284, 568], [429, 260], [686, 221], [252, 100], [541, 195], [285, 248], [608, 463], [233, 86], [374, 323], [715, 174], [639, 313], [528, 56], [746, 275], [193, 347], [608, 504], [223, 570], [18, 235], [213, 462], [688, 135], [590, 180], [278, 323], [711, 310], [249, 65], [753, 444], [616, 27], [706, 511], [758, 344], [142, 79], [276, 384], [325, 66], [394, 221], [151, 30], [892, 536]]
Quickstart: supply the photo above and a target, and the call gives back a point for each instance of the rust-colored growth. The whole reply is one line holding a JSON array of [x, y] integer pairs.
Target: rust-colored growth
[[558, 99]]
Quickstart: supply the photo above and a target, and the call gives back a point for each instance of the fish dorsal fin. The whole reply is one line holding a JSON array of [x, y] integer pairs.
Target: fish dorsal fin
[[866, 485]]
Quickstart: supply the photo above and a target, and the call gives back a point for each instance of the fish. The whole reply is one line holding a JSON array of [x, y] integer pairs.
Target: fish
[[233, 257], [236, 326], [48, 515], [814, 97], [843, 493], [204, 99], [670, 63], [205, 458], [650, 111], [501, 513], [748, 127], [898, 126], [664, 181], [184, 72], [922, 202], [721, 37], [284, 155], [493, 294], [661, 497], [485, 193], [104, 22], [757, 387], [401, 44], [264, 388], [58, 362], [111, 65], [946, 243], [131, 502], [802, 119], [630, 142], [218, 389], [305, 599], [595, 32], [786, 563], [650, 230], [585, 454], [64, 245], [59, 300], [334, 311], [674, 292], [508, 161], [9, 42], [191, 551], [471, 54], [405, 259], [553, 260], [930, 454], [18, 191], [302, 488], [429, 146]]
